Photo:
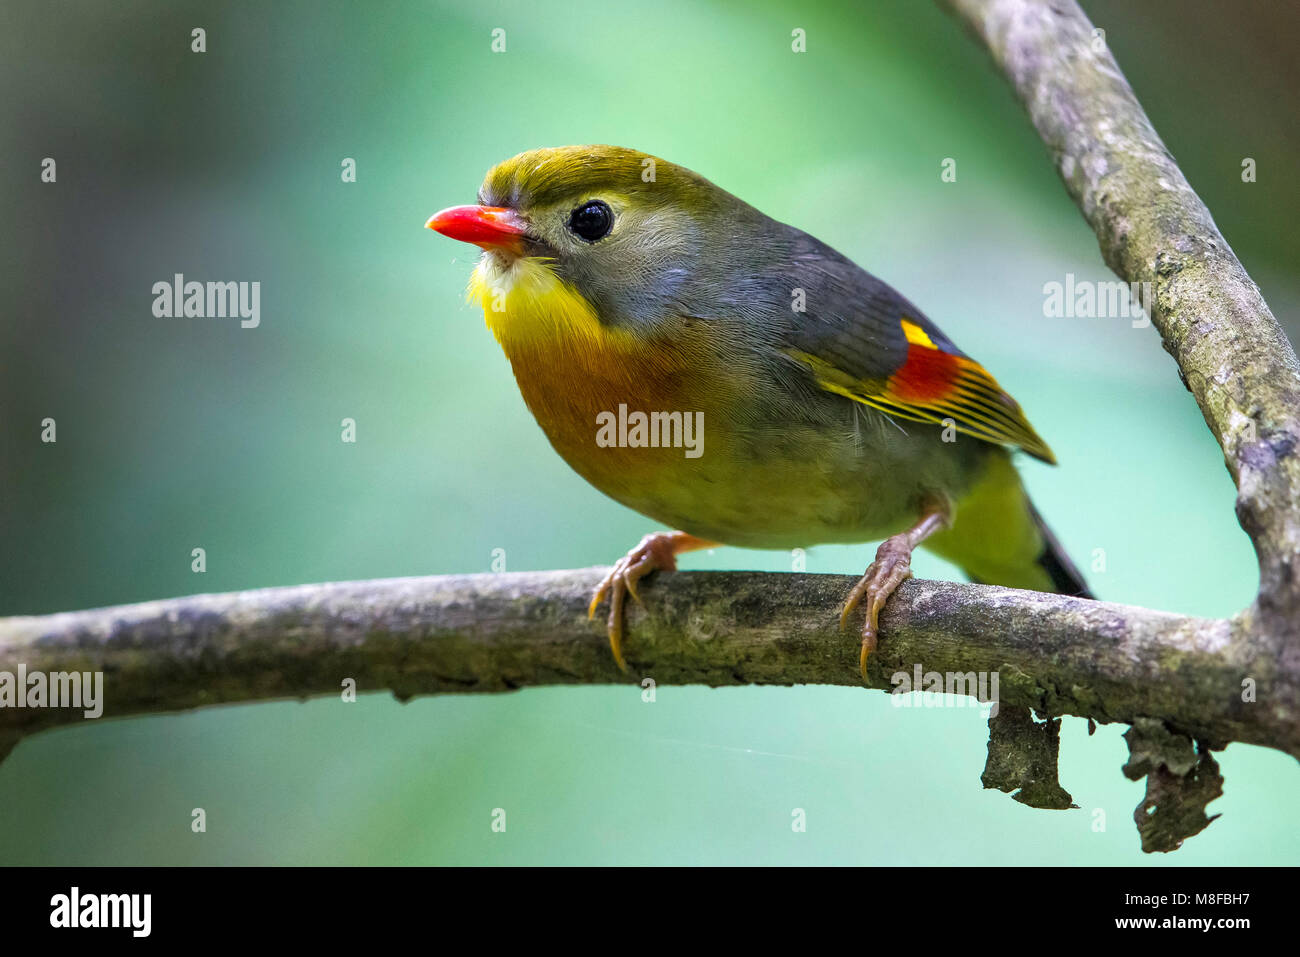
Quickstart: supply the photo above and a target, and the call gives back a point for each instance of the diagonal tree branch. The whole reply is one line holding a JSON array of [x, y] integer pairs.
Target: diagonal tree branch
[[1231, 353]]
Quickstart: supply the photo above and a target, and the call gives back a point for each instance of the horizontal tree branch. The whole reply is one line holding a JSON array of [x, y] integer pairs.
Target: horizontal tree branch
[[498, 632]]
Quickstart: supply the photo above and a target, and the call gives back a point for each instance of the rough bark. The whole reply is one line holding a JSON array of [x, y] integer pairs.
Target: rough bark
[[1231, 353], [1055, 654]]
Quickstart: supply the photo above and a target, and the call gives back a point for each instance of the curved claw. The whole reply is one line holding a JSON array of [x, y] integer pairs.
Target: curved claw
[[596, 597], [620, 582], [614, 584], [629, 581], [854, 599], [654, 553], [615, 624], [883, 576]]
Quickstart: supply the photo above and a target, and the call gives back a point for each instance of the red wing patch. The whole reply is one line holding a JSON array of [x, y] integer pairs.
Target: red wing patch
[[941, 388]]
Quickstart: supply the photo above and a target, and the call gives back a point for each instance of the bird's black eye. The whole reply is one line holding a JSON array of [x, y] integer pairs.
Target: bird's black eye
[[592, 221]]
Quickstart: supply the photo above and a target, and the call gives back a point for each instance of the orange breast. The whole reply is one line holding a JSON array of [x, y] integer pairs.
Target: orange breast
[[569, 384]]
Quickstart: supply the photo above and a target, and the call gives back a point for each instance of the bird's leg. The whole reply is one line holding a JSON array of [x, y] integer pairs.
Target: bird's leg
[[656, 552], [892, 567]]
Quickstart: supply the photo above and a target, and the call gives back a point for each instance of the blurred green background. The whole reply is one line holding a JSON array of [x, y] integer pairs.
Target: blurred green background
[[177, 434]]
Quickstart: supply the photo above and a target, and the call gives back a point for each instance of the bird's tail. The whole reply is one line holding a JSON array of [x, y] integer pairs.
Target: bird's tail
[[999, 538], [1065, 576]]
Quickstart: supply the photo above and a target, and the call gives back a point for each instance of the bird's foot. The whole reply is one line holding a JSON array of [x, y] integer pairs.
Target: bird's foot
[[656, 552], [892, 567]]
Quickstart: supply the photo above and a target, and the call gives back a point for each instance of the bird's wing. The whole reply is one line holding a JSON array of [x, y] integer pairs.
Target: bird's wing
[[861, 339]]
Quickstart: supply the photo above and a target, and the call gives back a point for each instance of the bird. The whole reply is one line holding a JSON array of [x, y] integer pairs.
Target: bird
[[742, 383]]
